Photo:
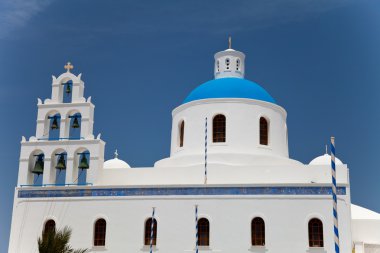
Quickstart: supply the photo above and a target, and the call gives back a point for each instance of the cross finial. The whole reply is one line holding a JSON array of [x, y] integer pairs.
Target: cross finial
[[116, 154], [229, 42], [68, 67]]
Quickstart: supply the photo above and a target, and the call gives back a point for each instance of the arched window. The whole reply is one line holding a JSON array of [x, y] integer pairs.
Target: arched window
[[228, 63], [75, 122], [263, 131], [60, 162], [100, 232], [181, 133], [315, 233], [258, 232], [83, 160], [203, 232], [217, 65], [237, 64], [36, 166], [49, 226], [67, 91], [148, 231], [219, 128], [54, 125]]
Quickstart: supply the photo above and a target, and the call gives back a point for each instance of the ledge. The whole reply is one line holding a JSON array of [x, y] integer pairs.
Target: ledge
[[316, 250], [258, 249], [146, 248], [98, 248]]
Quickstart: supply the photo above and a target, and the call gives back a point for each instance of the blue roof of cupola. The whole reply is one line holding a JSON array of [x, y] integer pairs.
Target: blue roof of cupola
[[229, 88]]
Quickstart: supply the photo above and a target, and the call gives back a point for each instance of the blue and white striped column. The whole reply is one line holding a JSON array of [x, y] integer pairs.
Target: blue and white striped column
[[151, 231], [205, 151], [196, 229], [335, 206]]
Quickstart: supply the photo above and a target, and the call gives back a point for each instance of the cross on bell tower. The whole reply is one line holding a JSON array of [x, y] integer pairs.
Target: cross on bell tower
[[68, 66]]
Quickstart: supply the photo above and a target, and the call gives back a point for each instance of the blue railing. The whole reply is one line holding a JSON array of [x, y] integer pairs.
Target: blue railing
[[41, 185]]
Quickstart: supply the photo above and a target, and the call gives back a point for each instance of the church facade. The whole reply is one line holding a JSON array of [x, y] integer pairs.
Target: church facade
[[228, 185]]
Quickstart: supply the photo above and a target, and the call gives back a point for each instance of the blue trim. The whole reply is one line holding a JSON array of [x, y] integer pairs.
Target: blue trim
[[179, 191]]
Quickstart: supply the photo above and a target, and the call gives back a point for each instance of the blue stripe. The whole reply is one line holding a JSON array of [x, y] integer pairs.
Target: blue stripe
[[336, 248], [177, 191]]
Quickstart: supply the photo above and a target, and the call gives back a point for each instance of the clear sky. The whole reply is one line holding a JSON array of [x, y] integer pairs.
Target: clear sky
[[320, 59]]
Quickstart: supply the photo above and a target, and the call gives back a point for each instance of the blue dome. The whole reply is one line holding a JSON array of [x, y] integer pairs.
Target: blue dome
[[229, 88]]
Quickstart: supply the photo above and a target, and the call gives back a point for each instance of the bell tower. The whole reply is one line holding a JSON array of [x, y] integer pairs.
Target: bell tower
[[64, 143]]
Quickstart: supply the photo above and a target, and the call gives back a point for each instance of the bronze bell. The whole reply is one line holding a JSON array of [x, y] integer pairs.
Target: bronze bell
[[75, 123], [68, 88], [54, 124], [83, 165], [39, 166], [61, 165]]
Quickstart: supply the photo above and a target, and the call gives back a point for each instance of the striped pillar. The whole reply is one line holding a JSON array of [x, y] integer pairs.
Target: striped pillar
[[205, 151], [151, 231], [335, 206], [196, 229]]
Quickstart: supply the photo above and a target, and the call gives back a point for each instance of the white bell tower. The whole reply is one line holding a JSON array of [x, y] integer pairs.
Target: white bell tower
[[229, 63], [64, 131]]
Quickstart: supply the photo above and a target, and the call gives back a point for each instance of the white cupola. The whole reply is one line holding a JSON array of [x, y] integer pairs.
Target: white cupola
[[229, 63]]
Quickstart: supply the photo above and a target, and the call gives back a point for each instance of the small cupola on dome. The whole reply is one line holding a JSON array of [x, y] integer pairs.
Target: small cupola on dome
[[229, 63], [116, 163]]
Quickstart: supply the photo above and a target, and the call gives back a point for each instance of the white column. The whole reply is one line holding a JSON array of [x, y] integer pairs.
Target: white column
[[359, 247], [62, 127], [55, 92], [24, 175], [49, 172], [84, 127], [71, 171], [92, 172]]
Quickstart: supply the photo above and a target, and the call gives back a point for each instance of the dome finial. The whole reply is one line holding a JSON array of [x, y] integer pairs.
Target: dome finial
[[116, 154], [229, 42]]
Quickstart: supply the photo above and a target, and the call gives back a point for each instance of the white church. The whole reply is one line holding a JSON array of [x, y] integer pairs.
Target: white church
[[228, 185]]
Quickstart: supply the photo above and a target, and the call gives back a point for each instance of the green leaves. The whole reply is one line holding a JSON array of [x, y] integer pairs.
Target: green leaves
[[57, 241]]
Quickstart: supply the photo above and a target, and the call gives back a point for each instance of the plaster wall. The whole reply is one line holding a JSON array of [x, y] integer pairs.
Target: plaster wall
[[286, 222]]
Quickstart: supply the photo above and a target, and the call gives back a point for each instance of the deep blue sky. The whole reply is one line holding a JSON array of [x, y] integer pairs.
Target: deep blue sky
[[320, 59]]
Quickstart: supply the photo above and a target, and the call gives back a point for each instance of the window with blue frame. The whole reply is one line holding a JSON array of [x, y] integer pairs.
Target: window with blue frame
[[54, 126], [67, 92], [38, 168], [60, 167], [83, 166], [75, 126]]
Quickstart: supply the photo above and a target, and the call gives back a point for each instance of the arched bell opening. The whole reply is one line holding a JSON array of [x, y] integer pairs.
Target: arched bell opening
[[75, 122], [66, 91], [36, 167], [81, 164], [52, 125], [59, 166]]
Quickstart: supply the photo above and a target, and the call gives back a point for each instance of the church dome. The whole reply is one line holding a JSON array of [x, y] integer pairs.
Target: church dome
[[325, 160], [230, 87], [116, 164]]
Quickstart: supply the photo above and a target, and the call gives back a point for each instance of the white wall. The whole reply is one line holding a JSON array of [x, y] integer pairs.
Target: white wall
[[286, 219], [242, 130]]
